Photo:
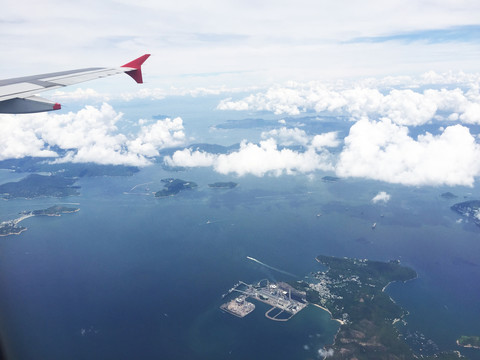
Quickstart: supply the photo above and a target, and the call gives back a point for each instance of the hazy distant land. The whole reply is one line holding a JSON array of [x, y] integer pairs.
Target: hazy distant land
[[448, 195], [30, 164], [223, 185], [12, 227], [330, 179], [35, 185]]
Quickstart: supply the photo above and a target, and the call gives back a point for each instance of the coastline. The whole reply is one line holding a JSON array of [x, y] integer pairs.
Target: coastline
[[29, 214], [341, 322], [15, 233], [467, 346]]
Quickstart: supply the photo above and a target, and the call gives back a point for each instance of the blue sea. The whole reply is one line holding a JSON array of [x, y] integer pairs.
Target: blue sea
[[131, 276]]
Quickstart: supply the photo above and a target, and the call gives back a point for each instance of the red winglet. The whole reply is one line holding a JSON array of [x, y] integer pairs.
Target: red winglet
[[136, 64], [57, 106]]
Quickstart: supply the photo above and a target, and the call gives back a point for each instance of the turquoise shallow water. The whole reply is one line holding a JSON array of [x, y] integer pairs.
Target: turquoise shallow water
[[131, 276]]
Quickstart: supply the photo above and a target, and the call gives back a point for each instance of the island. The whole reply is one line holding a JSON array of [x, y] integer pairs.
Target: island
[[448, 195], [55, 210], [469, 209], [174, 186], [469, 341], [35, 185], [12, 227], [223, 185]]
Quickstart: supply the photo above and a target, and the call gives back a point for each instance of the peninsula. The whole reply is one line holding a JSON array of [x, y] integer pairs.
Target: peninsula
[[353, 292], [174, 186], [469, 209], [12, 227]]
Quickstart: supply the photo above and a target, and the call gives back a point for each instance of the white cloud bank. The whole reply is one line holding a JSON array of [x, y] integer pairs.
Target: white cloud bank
[[402, 106], [379, 150], [89, 135], [259, 160]]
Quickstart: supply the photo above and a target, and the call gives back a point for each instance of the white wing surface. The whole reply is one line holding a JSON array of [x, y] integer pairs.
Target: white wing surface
[[18, 95]]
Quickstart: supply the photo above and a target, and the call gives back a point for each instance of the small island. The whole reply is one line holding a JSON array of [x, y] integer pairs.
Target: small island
[[35, 185], [174, 186], [12, 227], [469, 341], [469, 209], [448, 195], [223, 185]]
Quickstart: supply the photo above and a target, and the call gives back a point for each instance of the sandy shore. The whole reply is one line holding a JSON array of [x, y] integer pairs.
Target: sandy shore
[[331, 315]]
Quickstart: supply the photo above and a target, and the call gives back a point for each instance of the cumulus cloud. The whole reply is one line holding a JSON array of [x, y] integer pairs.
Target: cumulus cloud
[[89, 135], [384, 151], [287, 136], [325, 353], [382, 196], [329, 139], [256, 159]]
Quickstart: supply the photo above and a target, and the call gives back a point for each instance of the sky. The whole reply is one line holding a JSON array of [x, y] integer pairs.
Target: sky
[[242, 43], [405, 75]]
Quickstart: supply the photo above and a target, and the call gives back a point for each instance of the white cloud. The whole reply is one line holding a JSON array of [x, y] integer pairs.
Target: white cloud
[[259, 160], [322, 353], [384, 151], [189, 158], [89, 135], [382, 196], [161, 134], [18, 139], [329, 139], [287, 136]]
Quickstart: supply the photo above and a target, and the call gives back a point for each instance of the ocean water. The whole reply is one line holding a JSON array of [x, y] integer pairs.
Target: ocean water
[[132, 276]]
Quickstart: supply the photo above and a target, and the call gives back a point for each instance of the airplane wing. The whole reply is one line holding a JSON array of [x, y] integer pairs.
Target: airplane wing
[[18, 96]]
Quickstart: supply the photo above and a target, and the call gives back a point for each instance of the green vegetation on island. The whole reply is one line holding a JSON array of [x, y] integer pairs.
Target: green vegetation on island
[[223, 185], [174, 186], [352, 291], [469, 341], [469, 209], [35, 185], [12, 227], [55, 210]]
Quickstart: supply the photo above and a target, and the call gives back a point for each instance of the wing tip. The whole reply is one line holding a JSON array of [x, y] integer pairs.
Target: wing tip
[[136, 65]]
